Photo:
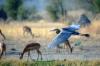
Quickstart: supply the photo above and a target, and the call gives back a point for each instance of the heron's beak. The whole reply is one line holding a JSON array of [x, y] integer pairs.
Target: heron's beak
[[53, 30]]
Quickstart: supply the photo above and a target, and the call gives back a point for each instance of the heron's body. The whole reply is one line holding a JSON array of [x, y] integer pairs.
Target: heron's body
[[64, 35]]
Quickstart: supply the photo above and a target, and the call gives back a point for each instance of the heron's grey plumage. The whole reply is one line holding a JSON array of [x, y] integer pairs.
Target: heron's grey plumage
[[64, 35]]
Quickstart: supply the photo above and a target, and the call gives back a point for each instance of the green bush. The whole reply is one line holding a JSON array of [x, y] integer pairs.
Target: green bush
[[11, 7], [96, 3]]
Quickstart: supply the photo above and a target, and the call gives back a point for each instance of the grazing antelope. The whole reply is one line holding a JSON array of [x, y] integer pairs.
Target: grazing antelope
[[27, 29], [2, 49], [30, 47]]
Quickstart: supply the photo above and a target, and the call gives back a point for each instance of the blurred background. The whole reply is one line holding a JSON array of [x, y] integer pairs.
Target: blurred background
[[43, 15]]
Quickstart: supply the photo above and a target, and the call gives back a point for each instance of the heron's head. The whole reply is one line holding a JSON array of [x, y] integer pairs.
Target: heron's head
[[56, 29]]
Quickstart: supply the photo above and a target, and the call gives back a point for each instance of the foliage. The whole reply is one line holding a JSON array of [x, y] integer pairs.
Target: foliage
[[11, 7], [26, 13], [56, 9], [21, 13], [52, 12], [31, 13], [97, 4], [3, 14]]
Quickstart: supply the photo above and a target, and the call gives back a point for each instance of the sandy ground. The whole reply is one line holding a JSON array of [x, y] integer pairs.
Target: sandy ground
[[89, 50]]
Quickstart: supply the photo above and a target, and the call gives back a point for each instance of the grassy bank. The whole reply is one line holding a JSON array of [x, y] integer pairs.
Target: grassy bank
[[48, 63]]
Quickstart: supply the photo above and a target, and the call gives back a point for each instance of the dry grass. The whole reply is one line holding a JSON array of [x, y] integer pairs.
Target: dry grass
[[93, 29], [14, 29]]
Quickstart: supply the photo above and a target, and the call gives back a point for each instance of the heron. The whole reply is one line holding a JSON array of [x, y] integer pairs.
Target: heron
[[65, 43], [64, 35]]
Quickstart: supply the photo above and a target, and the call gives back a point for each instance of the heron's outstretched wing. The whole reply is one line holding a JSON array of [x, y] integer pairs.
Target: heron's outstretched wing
[[60, 38], [64, 35], [72, 28]]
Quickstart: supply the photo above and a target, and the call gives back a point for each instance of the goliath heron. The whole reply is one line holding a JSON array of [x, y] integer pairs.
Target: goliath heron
[[64, 35]]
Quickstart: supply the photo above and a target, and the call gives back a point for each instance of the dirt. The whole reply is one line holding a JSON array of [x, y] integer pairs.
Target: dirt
[[86, 51]]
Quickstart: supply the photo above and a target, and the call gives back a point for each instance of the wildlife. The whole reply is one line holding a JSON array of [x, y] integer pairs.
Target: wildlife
[[65, 43], [64, 35], [27, 30], [2, 45], [2, 49], [29, 47]]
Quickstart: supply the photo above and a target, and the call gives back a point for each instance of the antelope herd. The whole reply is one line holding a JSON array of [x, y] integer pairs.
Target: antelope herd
[[34, 46], [28, 47]]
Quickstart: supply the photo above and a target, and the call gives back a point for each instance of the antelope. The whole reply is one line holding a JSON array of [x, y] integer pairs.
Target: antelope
[[27, 29], [2, 35], [2, 45], [2, 49], [30, 47]]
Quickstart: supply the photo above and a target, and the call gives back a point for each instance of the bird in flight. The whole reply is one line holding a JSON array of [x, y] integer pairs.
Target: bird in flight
[[65, 34]]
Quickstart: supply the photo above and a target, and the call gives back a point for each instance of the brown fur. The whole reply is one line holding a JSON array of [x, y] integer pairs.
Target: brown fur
[[3, 49], [2, 34], [30, 47], [27, 30]]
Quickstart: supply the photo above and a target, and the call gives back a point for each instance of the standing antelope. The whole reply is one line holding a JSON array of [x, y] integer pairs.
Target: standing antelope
[[2, 49], [2, 35], [2, 45], [30, 47], [27, 29]]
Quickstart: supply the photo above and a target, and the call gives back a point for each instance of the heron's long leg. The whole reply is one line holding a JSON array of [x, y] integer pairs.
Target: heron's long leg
[[58, 49], [67, 43]]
